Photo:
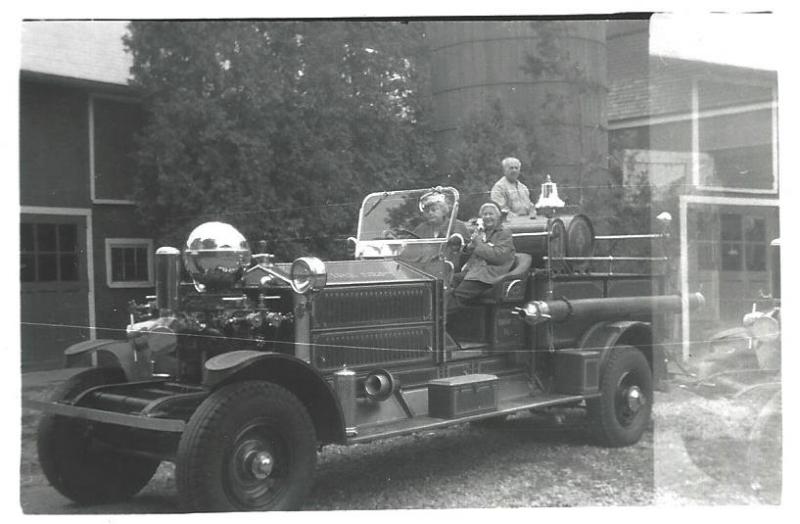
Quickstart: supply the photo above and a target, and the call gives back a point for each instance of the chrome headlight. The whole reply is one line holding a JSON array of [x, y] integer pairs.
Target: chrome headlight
[[308, 274]]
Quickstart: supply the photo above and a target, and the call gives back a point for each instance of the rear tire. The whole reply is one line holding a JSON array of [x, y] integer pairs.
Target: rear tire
[[249, 446], [76, 464], [621, 414]]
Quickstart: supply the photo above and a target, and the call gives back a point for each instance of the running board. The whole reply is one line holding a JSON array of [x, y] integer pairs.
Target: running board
[[423, 423]]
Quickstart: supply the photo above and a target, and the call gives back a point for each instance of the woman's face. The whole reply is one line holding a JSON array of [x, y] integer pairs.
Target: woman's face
[[490, 216], [435, 213]]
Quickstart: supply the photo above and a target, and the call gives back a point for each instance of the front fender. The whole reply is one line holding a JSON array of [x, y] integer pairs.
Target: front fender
[[107, 353], [292, 374]]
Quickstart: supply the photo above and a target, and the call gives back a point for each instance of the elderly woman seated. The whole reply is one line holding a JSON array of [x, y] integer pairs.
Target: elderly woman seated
[[491, 254], [436, 211]]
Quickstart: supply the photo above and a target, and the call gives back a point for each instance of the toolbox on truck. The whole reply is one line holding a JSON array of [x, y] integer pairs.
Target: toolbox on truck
[[461, 396]]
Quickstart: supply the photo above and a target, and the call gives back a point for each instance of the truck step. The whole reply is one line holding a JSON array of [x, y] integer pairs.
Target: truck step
[[424, 423]]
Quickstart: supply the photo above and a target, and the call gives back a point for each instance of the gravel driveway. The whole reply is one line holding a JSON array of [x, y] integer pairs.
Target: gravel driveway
[[528, 461]]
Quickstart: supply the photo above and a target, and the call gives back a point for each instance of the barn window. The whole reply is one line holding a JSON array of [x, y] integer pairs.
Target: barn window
[[129, 262], [48, 252]]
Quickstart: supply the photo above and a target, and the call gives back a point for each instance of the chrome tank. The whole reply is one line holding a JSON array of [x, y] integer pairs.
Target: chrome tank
[[168, 276], [531, 237], [215, 256], [580, 239]]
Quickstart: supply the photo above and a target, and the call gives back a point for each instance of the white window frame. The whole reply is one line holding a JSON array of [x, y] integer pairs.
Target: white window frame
[[87, 213], [112, 243], [702, 202], [697, 115]]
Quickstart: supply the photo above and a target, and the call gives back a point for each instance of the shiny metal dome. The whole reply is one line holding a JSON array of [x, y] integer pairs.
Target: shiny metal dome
[[215, 255]]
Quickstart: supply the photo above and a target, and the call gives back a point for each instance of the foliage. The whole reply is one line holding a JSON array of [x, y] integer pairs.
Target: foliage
[[619, 201], [279, 128], [485, 137]]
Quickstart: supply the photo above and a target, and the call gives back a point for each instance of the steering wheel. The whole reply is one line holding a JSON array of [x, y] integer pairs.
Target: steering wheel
[[401, 233]]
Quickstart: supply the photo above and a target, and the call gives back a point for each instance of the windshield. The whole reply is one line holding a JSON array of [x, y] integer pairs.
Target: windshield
[[412, 226], [421, 213]]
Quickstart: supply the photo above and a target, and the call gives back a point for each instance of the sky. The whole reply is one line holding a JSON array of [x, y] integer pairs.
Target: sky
[[749, 39]]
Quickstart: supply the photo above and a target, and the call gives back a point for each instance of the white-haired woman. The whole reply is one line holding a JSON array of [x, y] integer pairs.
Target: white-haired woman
[[491, 254]]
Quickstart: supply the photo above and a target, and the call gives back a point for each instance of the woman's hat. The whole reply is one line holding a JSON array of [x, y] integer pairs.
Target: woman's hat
[[431, 197], [493, 204]]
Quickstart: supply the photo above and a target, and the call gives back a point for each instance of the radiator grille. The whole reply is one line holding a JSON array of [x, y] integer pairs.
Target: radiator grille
[[368, 348], [363, 306]]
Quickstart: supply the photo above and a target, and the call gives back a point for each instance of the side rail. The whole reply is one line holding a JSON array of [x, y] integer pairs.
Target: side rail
[[612, 263]]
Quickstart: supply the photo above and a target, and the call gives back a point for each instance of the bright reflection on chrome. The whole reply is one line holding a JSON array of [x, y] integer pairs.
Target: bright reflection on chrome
[[308, 274], [215, 255]]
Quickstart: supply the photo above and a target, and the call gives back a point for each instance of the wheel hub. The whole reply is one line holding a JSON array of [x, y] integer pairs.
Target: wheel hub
[[260, 464], [634, 399]]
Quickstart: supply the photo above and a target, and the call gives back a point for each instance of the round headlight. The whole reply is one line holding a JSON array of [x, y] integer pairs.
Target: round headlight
[[765, 328], [308, 274]]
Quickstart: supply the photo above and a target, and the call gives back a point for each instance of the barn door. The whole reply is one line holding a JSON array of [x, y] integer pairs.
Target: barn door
[[54, 287]]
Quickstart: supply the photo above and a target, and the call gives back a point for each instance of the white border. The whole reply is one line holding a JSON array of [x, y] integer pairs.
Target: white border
[[111, 243], [685, 202], [87, 213]]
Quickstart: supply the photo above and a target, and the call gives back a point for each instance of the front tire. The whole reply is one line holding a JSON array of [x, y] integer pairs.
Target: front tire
[[76, 462], [249, 446], [622, 412]]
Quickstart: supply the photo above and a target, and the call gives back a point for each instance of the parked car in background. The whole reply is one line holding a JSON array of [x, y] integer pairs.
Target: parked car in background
[[743, 366]]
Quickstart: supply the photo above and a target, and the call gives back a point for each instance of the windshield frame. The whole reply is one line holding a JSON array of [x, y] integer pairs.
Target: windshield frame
[[392, 247]]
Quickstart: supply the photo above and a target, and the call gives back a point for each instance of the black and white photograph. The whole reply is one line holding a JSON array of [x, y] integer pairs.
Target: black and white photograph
[[391, 262]]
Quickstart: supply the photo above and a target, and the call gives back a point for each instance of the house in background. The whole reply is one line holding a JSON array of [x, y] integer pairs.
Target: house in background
[[82, 254], [703, 138]]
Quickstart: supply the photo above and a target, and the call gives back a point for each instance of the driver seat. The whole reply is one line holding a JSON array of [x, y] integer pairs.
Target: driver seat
[[511, 286]]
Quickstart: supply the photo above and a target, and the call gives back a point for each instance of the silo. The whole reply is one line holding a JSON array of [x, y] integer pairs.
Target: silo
[[476, 62]]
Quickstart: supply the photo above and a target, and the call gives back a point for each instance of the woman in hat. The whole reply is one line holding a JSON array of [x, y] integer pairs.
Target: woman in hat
[[491, 254], [436, 211]]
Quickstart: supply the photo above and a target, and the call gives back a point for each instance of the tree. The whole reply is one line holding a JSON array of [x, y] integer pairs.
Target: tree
[[279, 128], [485, 136]]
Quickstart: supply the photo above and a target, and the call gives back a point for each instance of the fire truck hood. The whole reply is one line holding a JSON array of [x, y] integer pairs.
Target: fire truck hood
[[372, 271]]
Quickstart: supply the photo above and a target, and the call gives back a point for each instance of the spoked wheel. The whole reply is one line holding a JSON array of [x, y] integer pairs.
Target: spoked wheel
[[250, 446], [621, 414], [74, 457]]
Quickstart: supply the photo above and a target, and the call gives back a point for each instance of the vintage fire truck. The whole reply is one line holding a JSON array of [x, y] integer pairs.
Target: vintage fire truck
[[240, 368]]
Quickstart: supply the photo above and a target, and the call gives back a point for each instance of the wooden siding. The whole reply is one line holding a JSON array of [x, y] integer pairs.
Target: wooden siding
[[54, 146]]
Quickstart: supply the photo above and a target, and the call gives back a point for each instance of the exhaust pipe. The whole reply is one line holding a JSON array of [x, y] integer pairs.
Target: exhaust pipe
[[561, 309]]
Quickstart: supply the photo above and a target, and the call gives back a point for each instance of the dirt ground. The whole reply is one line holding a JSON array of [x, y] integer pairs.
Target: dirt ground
[[693, 455]]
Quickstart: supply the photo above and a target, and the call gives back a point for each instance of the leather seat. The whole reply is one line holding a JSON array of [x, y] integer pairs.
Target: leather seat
[[511, 286]]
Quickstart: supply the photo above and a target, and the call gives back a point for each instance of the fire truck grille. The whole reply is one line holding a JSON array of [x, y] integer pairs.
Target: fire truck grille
[[356, 306], [371, 347]]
